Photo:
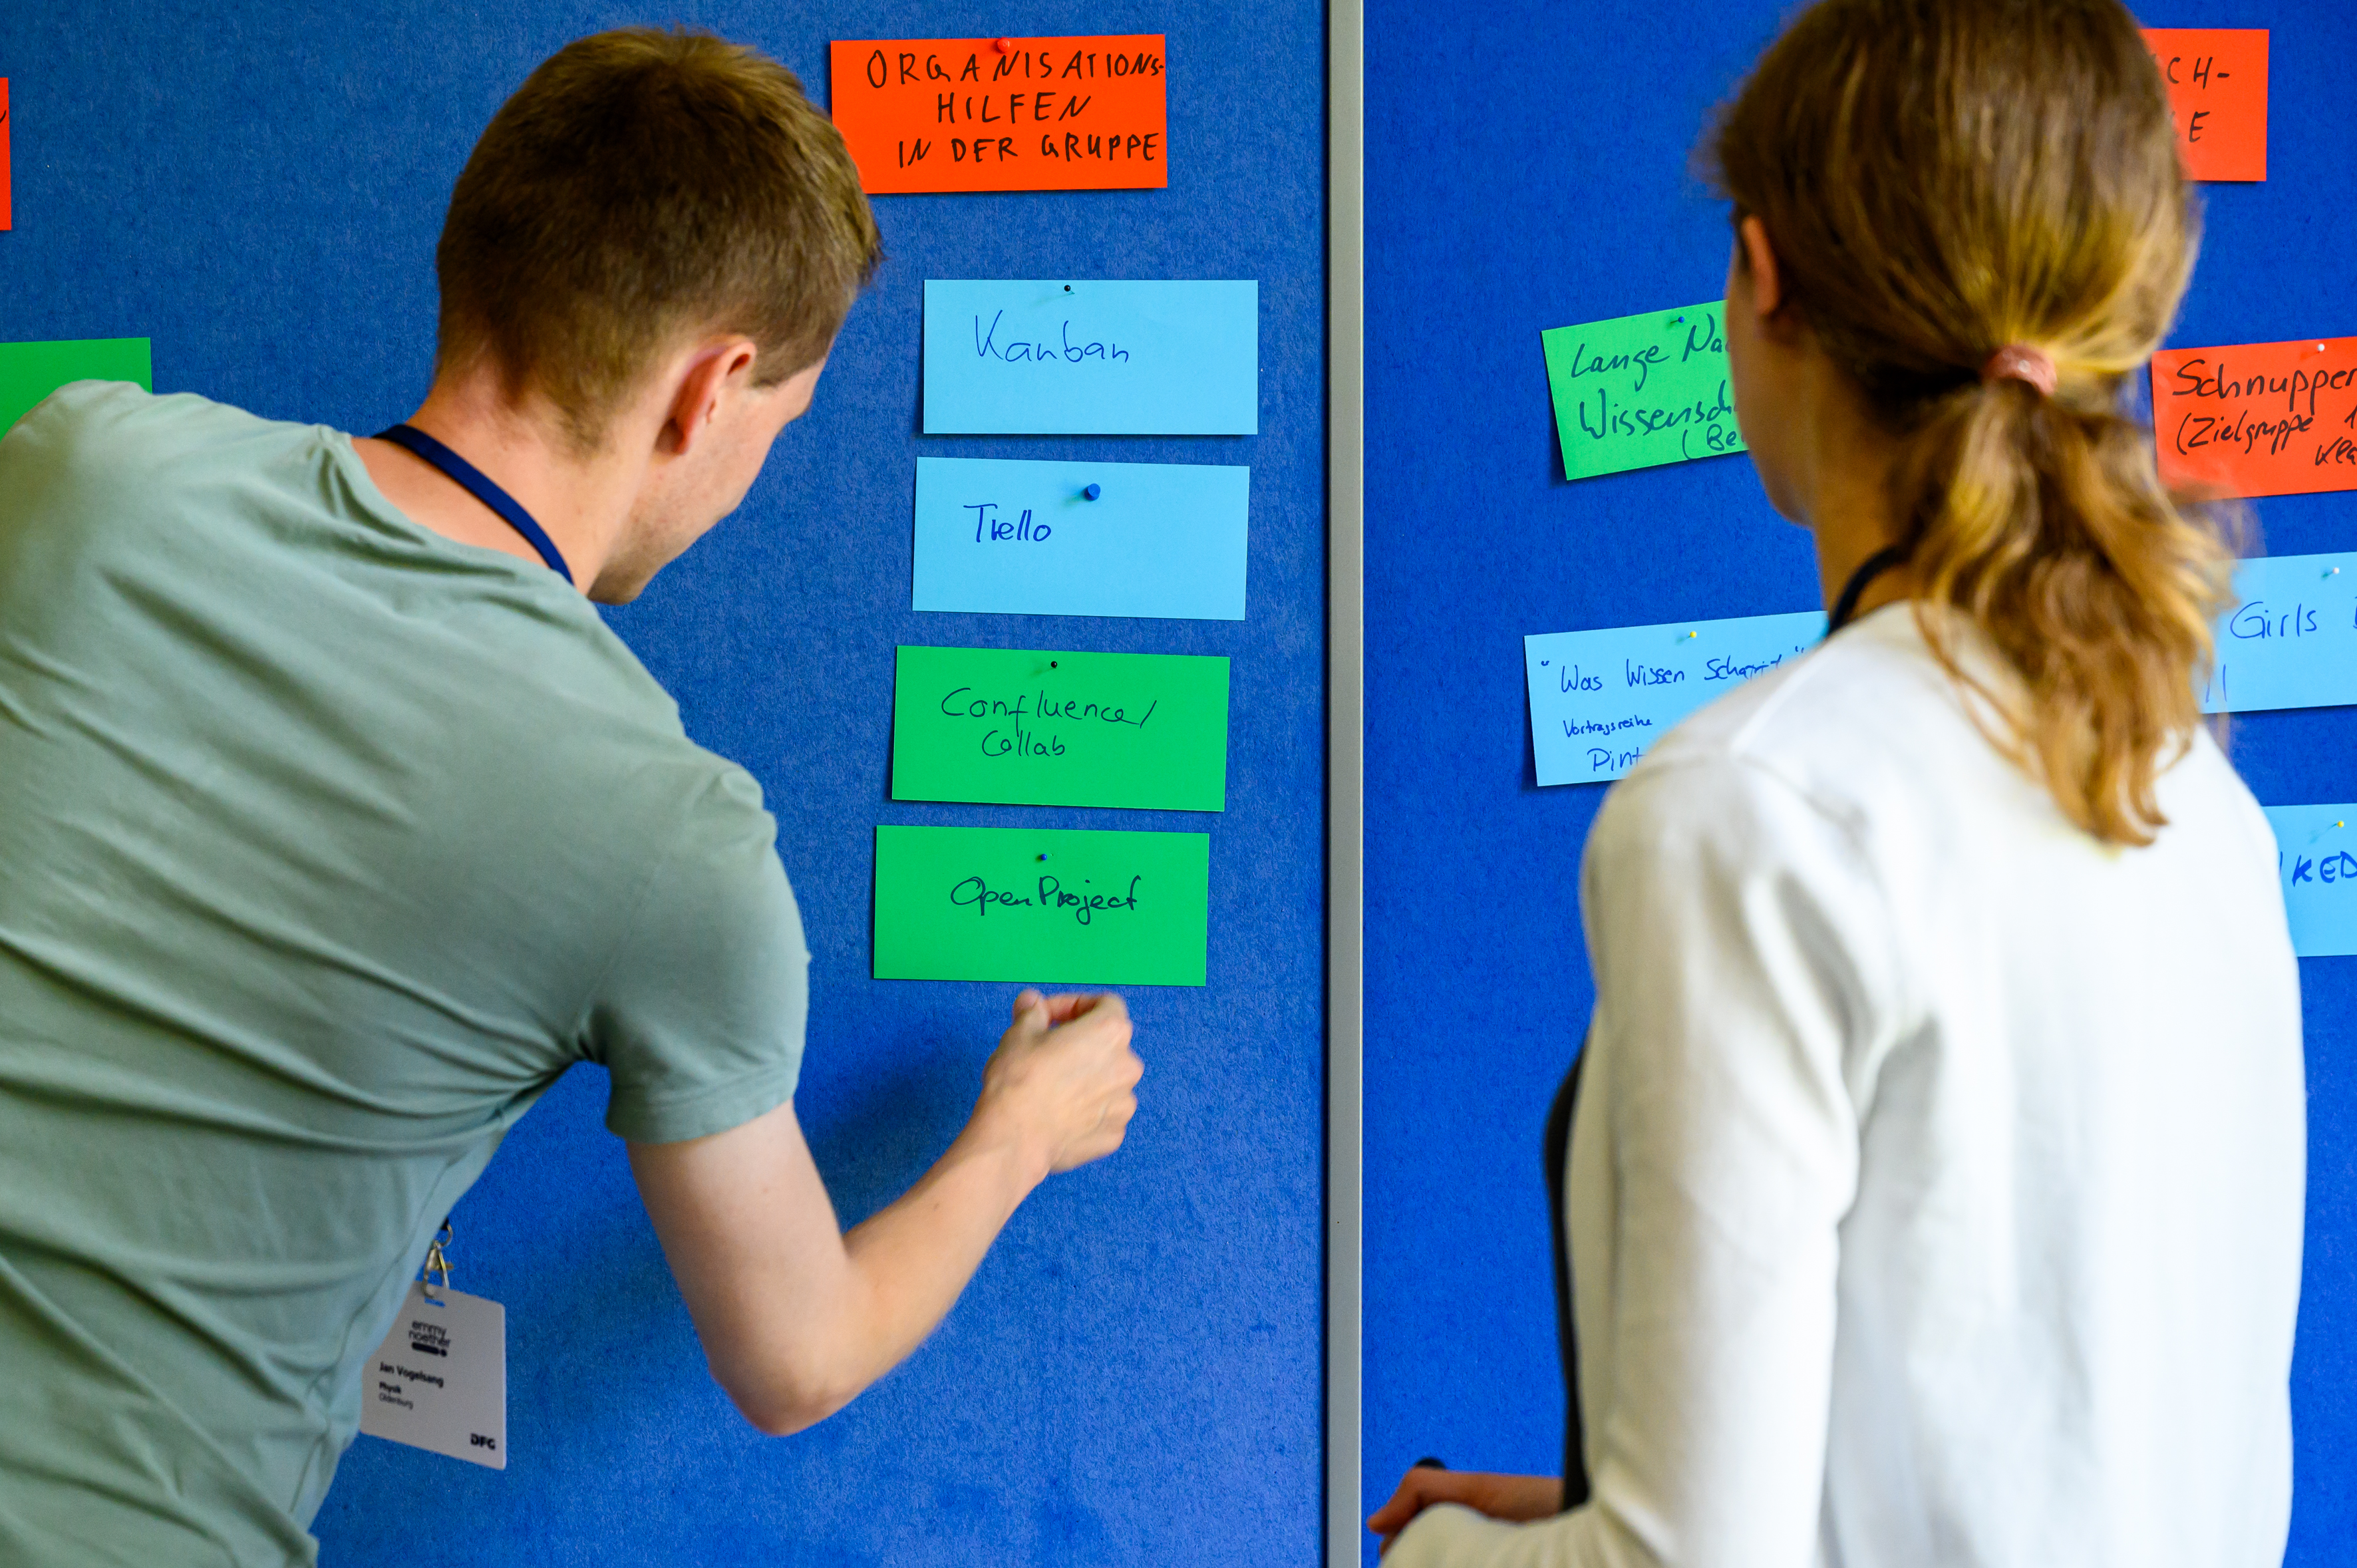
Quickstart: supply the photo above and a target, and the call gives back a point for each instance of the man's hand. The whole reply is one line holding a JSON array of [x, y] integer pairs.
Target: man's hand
[[1061, 1082], [1518, 1499]]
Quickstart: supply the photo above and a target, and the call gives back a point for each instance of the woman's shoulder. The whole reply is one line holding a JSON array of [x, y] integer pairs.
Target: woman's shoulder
[[1872, 734], [1837, 722]]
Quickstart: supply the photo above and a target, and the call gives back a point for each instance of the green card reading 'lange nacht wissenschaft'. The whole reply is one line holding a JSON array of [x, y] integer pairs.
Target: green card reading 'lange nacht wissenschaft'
[[1042, 905], [1638, 391], [1015, 727]]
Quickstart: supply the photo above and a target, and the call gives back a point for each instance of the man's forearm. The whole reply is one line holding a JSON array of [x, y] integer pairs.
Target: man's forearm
[[910, 1261]]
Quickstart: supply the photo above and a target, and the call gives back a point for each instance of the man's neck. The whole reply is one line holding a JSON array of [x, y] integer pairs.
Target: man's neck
[[581, 503]]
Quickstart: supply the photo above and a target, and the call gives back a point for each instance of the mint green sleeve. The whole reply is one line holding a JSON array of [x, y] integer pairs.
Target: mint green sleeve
[[699, 1016]]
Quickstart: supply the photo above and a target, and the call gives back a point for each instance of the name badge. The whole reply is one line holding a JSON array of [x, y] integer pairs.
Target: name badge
[[439, 1382]]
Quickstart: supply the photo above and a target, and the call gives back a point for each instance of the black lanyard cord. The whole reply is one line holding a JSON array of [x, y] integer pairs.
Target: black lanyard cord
[[1887, 558]]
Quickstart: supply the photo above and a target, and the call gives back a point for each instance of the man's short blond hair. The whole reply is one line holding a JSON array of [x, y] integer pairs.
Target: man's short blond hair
[[641, 187]]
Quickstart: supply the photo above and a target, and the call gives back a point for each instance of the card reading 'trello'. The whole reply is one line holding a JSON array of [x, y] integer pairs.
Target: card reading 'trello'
[[1026, 536]]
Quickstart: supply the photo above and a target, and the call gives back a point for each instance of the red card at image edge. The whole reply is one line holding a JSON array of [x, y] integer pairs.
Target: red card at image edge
[[6, 221], [2217, 80], [2257, 419], [1003, 114]]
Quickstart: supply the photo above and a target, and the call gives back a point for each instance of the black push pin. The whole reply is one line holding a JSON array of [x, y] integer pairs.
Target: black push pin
[[1092, 492], [1068, 288]]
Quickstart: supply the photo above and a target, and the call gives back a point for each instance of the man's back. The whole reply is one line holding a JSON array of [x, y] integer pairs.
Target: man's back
[[326, 843]]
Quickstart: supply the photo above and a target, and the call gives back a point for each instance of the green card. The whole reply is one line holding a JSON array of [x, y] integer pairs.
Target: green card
[[1042, 905], [1012, 727], [1638, 391], [31, 372]]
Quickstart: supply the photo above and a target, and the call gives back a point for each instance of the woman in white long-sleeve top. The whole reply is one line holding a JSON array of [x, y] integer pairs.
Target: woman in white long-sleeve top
[[1933, 1190]]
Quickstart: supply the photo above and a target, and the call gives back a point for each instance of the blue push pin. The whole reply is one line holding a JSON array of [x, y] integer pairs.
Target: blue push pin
[[1092, 492]]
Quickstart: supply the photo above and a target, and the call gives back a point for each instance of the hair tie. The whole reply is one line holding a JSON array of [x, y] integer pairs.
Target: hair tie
[[2021, 362]]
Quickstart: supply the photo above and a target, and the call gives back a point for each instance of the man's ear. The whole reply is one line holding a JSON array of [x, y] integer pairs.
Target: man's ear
[[710, 375], [1759, 260]]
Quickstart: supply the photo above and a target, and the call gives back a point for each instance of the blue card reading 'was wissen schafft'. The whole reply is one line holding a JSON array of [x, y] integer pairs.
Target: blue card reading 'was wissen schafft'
[[2291, 643], [1089, 357], [1023, 537], [2316, 855], [1599, 698]]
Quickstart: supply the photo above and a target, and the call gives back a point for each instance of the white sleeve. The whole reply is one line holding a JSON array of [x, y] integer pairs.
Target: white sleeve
[[1741, 953]]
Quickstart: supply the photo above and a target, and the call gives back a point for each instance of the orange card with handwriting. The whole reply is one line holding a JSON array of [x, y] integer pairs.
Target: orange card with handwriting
[[6, 221], [2258, 419], [2218, 93], [1004, 114]]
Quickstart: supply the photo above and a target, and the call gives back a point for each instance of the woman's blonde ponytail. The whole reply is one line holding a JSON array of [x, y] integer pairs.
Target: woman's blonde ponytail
[[1941, 179]]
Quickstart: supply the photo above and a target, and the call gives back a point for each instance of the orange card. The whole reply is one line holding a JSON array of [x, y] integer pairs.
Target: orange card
[[1004, 114], [2260, 419], [6, 220], [2217, 91]]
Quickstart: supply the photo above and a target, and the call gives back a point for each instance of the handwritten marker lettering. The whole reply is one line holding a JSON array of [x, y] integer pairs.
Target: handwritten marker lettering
[[1048, 896], [1599, 699], [2289, 641], [1064, 114], [2258, 419], [1018, 352], [1638, 391], [1023, 530]]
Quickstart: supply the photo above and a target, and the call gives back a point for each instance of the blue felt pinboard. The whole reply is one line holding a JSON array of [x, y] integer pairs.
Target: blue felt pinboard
[[1134, 1375], [1527, 168]]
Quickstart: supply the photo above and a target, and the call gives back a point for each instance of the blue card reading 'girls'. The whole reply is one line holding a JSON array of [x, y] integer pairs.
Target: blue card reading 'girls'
[[1599, 698], [1087, 357], [2291, 641], [2316, 855], [1024, 537]]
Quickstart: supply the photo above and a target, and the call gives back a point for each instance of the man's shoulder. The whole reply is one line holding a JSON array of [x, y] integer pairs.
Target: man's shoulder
[[114, 425]]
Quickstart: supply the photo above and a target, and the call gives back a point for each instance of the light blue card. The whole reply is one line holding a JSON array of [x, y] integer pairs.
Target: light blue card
[[1083, 356], [2292, 642], [1599, 698], [2316, 852], [1025, 538]]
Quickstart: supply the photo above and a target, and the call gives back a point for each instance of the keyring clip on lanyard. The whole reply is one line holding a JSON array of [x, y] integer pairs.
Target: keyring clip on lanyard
[[437, 1260], [411, 439]]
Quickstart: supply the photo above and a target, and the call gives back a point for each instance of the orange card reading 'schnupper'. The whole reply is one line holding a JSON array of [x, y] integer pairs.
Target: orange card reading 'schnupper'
[[2261, 419], [1004, 114], [2217, 91]]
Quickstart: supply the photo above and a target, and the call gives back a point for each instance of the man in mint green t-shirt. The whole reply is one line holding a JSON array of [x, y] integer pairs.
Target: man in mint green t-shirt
[[335, 825]]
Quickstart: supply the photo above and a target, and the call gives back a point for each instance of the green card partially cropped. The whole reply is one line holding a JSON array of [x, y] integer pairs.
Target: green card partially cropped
[[1638, 391], [1046, 906], [1012, 727], [31, 372]]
